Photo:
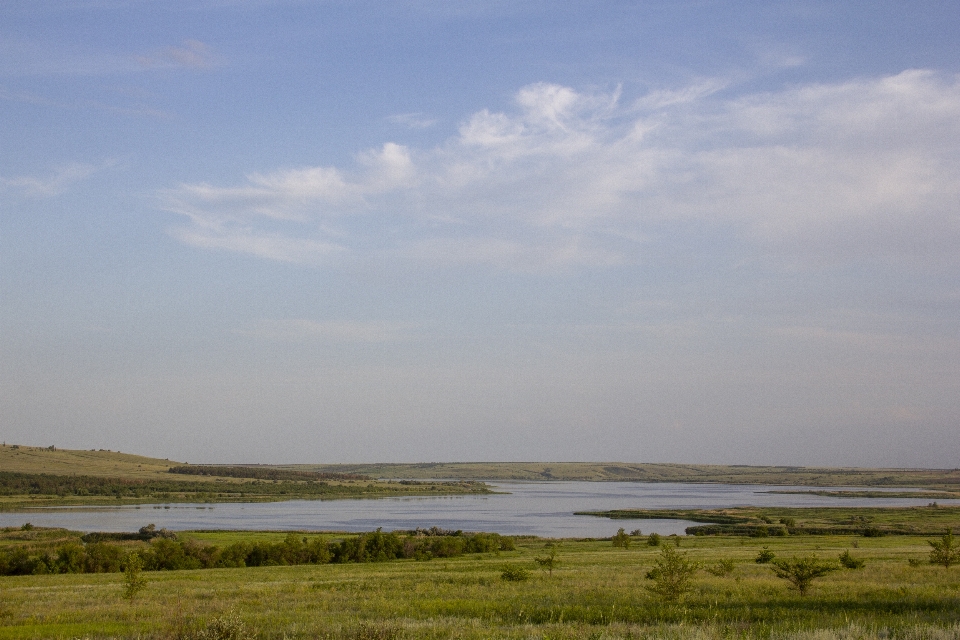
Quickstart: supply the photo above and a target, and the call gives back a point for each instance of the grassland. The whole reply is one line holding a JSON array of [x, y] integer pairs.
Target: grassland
[[941, 479], [596, 591]]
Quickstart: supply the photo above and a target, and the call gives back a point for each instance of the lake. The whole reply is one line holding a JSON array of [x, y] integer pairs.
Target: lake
[[533, 508]]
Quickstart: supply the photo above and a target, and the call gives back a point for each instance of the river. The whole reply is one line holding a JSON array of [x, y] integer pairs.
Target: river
[[531, 508]]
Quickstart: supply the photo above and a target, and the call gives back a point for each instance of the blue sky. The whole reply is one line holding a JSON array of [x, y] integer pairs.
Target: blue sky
[[704, 232]]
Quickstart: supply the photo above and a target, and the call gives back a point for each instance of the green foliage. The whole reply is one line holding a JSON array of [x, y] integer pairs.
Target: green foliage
[[133, 580], [850, 562], [764, 556], [672, 574], [621, 540], [722, 568], [653, 539], [801, 572], [944, 551], [549, 561], [514, 574]]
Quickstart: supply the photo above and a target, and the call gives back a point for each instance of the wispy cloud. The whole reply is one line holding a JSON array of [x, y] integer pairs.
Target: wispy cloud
[[56, 182], [568, 178], [191, 54], [412, 120]]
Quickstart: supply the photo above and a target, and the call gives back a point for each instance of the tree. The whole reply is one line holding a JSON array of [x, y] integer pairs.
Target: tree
[[672, 574], [548, 561], [800, 572], [944, 551], [621, 540], [133, 580]]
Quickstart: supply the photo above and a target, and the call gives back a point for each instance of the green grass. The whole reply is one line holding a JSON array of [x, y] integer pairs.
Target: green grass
[[596, 591]]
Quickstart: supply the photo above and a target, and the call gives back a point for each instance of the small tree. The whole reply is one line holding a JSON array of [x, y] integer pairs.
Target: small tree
[[621, 540], [133, 580], [672, 574], [548, 561], [944, 551], [653, 540], [802, 571]]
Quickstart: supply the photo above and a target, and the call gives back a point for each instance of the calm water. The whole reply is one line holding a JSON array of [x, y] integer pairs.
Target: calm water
[[537, 508]]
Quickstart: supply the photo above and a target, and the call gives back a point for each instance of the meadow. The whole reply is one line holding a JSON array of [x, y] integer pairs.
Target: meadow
[[595, 590]]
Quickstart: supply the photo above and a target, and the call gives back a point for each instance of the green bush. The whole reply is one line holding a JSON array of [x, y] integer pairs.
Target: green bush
[[850, 562], [944, 551], [672, 574], [514, 574], [801, 572], [653, 539], [764, 556], [621, 540]]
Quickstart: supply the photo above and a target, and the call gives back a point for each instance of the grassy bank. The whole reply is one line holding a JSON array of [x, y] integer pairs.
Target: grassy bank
[[595, 591], [762, 521]]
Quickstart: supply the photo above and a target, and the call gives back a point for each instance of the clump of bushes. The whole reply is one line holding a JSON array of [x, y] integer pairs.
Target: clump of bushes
[[168, 553]]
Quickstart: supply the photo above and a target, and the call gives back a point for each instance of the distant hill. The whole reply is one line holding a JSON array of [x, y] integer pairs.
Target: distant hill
[[111, 464], [24, 459]]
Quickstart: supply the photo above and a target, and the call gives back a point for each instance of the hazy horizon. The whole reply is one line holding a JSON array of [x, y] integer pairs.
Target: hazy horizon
[[291, 232]]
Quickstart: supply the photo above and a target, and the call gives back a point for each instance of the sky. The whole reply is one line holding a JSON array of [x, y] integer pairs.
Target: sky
[[285, 231]]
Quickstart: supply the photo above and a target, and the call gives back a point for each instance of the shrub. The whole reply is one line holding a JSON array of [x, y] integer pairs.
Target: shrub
[[723, 568], [225, 627], [944, 551], [133, 580], [672, 574], [850, 562], [549, 561], [764, 556], [653, 540], [801, 572], [514, 574], [621, 540]]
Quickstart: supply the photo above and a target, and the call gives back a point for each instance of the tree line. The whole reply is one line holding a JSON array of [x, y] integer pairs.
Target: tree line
[[169, 553]]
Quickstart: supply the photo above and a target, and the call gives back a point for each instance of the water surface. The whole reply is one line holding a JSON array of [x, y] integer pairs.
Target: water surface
[[534, 508]]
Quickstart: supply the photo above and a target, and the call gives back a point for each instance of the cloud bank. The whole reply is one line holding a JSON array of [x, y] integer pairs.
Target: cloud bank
[[567, 178]]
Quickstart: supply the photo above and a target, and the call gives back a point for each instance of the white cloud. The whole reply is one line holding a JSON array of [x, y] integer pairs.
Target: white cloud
[[55, 183], [567, 178]]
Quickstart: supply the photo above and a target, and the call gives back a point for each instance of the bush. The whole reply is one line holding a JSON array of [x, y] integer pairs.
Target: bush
[[850, 562], [549, 561], [944, 551], [764, 556], [621, 540], [133, 580], [800, 572], [722, 568], [514, 574], [225, 627], [672, 574], [653, 540]]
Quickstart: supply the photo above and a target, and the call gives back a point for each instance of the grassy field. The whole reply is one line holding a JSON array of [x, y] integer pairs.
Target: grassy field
[[941, 479], [596, 591]]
